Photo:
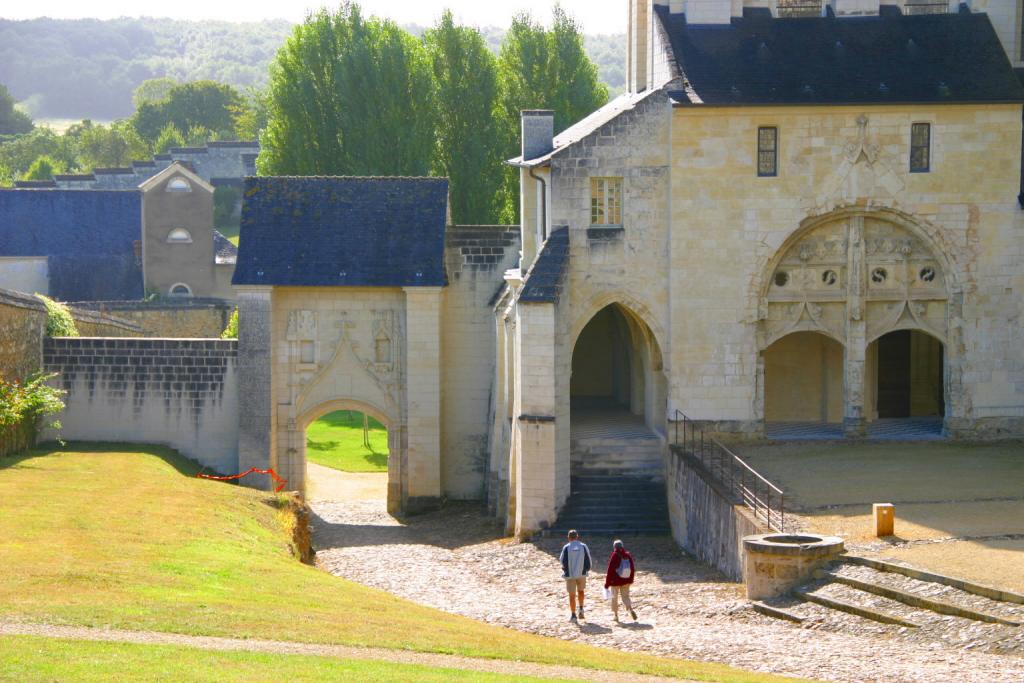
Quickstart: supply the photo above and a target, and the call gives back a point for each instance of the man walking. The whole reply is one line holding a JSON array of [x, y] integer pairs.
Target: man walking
[[575, 559], [621, 571]]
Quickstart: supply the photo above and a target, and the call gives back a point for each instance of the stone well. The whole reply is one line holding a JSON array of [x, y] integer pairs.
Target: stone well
[[774, 563]]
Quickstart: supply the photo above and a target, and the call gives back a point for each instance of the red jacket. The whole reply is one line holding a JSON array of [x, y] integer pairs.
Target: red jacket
[[613, 578]]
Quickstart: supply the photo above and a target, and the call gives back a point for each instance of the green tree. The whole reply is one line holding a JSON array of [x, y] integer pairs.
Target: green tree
[[13, 121], [251, 116], [100, 146], [201, 103], [543, 69], [349, 96], [43, 168], [468, 144], [169, 137], [18, 153], [152, 90]]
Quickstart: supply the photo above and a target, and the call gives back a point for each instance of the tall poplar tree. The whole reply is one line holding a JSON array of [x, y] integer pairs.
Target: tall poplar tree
[[349, 96], [542, 68], [469, 148]]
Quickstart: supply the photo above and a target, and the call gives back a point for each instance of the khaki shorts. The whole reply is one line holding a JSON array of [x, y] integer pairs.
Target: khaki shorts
[[573, 586]]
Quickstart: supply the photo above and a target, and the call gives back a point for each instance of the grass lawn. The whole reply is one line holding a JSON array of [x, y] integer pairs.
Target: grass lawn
[[336, 441], [126, 537], [28, 658]]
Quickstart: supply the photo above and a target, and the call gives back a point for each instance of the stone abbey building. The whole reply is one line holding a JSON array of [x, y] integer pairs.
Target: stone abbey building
[[801, 215]]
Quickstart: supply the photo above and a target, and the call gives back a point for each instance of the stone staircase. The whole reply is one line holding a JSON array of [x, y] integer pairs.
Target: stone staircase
[[873, 596], [618, 487]]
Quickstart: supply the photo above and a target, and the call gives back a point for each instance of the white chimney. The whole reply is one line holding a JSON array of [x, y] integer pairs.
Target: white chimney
[[538, 132]]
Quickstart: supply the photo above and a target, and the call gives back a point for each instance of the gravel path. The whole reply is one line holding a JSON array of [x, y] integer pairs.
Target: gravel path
[[336, 651], [456, 561]]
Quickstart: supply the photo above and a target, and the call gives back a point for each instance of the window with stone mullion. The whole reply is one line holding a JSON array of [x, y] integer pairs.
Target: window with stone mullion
[[606, 201]]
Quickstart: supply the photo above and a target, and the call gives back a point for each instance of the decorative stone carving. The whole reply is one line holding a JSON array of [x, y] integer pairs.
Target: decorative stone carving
[[301, 325]]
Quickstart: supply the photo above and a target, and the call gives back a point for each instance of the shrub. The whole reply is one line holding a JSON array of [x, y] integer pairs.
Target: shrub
[[22, 406], [231, 331], [59, 322]]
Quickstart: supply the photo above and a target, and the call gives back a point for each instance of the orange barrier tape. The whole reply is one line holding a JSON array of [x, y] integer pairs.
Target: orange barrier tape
[[272, 473]]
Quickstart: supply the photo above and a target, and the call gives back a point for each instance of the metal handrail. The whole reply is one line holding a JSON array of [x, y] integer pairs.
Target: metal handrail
[[745, 484]]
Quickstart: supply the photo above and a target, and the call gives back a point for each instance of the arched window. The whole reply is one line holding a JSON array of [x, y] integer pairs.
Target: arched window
[[179, 236], [180, 289], [179, 184]]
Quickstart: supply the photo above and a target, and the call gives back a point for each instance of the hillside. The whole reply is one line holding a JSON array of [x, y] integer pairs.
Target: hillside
[[75, 69]]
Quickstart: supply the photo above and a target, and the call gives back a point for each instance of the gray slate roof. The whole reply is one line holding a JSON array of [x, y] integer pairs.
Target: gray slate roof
[[890, 58], [343, 231], [543, 282]]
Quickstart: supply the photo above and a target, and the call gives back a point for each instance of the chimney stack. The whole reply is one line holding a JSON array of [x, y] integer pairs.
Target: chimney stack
[[538, 132]]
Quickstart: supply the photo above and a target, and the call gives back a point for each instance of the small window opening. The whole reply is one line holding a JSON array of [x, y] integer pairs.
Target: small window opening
[[179, 236], [920, 147], [179, 185], [767, 151], [180, 289], [606, 201], [781, 278]]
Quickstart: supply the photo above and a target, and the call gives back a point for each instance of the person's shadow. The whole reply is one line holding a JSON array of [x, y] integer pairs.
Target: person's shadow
[[636, 626]]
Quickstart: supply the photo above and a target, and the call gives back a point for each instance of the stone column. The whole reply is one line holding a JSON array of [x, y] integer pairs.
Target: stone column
[[534, 419], [854, 417], [255, 383], [422, 475]]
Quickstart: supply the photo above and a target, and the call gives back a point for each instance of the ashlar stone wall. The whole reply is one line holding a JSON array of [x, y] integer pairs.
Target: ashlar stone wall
[[181, 393]]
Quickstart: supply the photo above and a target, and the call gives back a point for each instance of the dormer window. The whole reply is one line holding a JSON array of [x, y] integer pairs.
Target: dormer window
[[179, 184], [179, 236]]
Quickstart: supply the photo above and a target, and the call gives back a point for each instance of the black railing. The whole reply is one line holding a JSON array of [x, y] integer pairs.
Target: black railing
[[744, 484]]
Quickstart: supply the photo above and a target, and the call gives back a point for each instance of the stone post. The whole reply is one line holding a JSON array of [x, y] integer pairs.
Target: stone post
[[854, 417], [255, 383], [422, 475], [534, 419]]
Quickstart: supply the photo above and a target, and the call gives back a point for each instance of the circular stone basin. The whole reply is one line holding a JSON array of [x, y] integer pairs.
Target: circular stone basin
[[805, 545]]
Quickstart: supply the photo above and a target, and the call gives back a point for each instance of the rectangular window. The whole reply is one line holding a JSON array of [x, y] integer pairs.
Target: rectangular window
[[606, 201], [920, 147], [767, 151]]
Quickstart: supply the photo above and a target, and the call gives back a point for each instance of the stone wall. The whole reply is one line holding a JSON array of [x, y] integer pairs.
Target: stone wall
[[181, 393], [191, 318], [705, 522], [476, 257], [23, 326], [98, 324]]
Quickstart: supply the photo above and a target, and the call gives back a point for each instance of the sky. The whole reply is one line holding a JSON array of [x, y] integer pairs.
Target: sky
[[596, 16]]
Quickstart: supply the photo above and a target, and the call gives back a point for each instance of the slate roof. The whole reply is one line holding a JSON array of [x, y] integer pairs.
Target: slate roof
[[224, 251], [927, 58], [543, 282], [343, 231], [88, 238]]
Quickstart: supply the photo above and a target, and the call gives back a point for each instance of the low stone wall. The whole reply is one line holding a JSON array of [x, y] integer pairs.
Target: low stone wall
[[22, 329], [705, 522], [184, 318], [182, 393], [95, 324]]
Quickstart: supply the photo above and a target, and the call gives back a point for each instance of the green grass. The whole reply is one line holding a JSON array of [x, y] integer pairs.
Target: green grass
[[29, 658], [336, 440], [127, 537]]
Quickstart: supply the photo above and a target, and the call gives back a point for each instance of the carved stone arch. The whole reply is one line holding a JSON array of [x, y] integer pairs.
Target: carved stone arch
[[316, 412], [951, 256], [768, 341], [631, 306]]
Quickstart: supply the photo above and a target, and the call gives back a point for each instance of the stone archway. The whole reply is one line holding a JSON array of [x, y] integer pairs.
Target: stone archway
[[302, 423], [853, 276]]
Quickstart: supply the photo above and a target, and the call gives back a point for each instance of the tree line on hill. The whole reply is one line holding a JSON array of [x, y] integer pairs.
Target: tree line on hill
[[87, 68], [350, 95]]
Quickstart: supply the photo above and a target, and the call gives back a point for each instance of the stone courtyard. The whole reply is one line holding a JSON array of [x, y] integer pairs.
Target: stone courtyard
[[457, 560]]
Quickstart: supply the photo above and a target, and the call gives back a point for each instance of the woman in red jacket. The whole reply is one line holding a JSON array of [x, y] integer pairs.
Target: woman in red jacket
[[621, 570]]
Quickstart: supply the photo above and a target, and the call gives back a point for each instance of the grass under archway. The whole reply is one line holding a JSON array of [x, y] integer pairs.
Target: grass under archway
[[336, 440]]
